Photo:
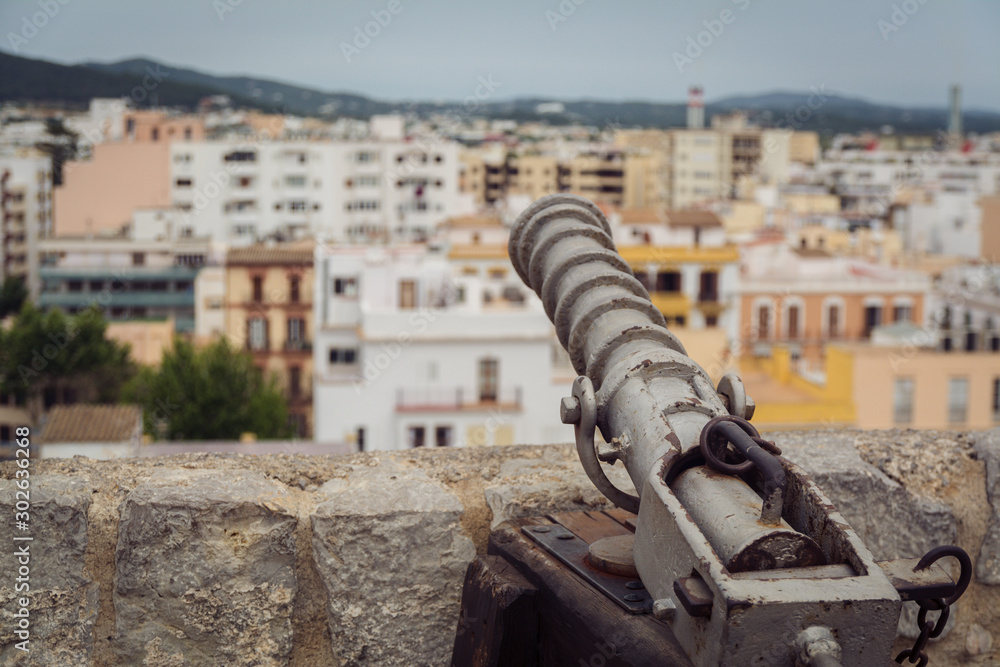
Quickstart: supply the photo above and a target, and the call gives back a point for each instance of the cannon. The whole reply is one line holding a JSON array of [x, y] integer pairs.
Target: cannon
[[741, 554]]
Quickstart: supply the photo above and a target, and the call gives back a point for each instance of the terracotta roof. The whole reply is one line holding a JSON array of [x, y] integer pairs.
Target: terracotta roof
[[271, 254], [693, 218], [473, 221], [92, 423], [811, 252], [642, 216]]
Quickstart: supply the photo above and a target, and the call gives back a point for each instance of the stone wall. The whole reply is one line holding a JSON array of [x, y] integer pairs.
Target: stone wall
[[206, 559]]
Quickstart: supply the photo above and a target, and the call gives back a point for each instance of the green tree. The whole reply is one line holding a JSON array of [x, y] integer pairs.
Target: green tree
[[62, 147], [211, 393], [12, 296], [52, 357]]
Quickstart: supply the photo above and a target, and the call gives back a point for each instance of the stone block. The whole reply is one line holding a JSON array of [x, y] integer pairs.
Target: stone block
[[390, 549], [63, 599], [205, 570]]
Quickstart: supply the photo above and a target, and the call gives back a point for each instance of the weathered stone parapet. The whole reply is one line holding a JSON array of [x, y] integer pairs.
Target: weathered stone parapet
[[206, 559]]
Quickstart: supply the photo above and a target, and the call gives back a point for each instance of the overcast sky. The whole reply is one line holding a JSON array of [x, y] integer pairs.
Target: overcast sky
[[894, 51]]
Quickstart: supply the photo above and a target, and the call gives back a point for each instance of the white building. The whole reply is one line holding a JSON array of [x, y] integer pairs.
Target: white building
[[359, 191], [415, 349], [25, 215], [947, 223]]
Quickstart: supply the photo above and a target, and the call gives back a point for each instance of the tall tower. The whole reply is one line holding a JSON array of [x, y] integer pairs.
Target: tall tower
[[955, 117], [696, 108]]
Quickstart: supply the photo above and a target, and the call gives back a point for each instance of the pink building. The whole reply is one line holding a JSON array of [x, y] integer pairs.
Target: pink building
[[102, 193]]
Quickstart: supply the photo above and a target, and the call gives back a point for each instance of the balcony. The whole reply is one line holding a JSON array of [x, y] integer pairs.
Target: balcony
[[671, 304], [452, 399], [298, 346]]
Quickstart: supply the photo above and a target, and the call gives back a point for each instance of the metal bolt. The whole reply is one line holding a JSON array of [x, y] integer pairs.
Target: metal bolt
[[634, 585], [664, 609], [541, 529], [569, 410], [634, 597], [750, 409], [565, 536]]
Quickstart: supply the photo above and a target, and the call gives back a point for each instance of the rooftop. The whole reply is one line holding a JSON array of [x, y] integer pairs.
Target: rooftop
[[92, 423], [270, 255]]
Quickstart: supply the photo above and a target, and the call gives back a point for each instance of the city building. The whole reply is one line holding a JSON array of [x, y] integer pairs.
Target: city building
[[414, 349], [93, 431], [686, 263], [25, 215], [269, 312], [102, 193], [144, 271], [370, 191], [806, 298]]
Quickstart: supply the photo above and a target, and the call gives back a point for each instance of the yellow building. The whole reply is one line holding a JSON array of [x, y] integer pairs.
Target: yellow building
[[804, 147], [268, 311], [875, 387]]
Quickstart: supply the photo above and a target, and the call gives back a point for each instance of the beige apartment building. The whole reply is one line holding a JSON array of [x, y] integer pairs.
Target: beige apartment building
[[622, 179], [268, 312], [156, 126]]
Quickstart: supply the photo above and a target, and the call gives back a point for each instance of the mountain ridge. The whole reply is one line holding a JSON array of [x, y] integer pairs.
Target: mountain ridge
[[828, 112]]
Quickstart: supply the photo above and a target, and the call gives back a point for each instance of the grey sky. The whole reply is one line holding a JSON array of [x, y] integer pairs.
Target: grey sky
[[603, 49]]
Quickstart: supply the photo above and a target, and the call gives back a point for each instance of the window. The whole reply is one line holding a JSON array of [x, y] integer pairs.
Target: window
[[902, 313], [442, 436], [407, 294], [296, 330], [971, 341], [902, 401], [343, 356], [257, 333], [763, 321], [958, 400], [258, 289], [183, 182], [488, 379], [711, 321], [297, 206], [709, 287], [793, 321], [996, 399], [187, 133], [873, 318], [415, 436], [668, 281], [294, 381], [293, 289], [345, 286], [240, 156], [138, 258], [833, 321], [295, 181], [364, 157], [156, 134]]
